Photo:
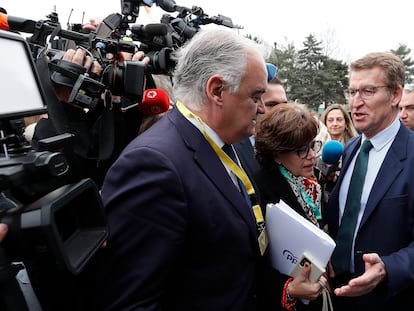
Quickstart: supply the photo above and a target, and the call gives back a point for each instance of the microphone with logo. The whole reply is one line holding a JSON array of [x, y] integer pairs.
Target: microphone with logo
[[331, 153], [154, 101]]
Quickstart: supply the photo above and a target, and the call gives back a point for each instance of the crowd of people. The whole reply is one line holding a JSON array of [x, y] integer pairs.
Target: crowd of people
[[186, 198]]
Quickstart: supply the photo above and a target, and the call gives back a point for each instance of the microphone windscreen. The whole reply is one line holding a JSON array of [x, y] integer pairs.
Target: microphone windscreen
[[4, 24], [167, 5], [154, 101], [332, 152], [156, 29]]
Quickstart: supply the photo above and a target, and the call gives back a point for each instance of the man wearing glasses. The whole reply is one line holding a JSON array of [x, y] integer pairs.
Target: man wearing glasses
[[373, 223]]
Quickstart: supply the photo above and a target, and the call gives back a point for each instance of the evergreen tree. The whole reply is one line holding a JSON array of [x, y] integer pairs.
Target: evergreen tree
[[309, 75], [403, 52], [318, 79], [285, 59]]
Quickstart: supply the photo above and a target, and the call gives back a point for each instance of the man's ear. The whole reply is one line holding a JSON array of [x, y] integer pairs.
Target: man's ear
[[215, 88], [397, 93]]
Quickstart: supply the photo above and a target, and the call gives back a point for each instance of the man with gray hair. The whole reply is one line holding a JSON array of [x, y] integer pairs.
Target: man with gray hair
[[182, 234], [407, 106]]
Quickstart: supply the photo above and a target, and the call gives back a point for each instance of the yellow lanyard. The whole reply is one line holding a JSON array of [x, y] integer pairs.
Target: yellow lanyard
[[237, 170]]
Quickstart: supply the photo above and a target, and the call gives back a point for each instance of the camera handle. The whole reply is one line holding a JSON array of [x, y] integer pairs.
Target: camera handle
[[10, 293]]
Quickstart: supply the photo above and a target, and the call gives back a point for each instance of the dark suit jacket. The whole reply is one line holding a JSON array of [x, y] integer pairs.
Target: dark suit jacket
[[181, 235], [387, 226], [245, 151]]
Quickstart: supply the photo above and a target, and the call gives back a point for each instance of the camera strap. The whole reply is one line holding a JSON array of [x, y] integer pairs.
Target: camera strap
[[55, 109], [106, 130], [11, 295], [25, 284], [64, 72]]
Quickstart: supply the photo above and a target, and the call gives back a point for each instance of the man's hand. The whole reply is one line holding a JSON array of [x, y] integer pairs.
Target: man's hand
[[3, 231], [93, 24], [78, 57], [81, 58], [374, 274]]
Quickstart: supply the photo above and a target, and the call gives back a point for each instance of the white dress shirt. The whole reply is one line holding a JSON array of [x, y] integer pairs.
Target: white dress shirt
[[381, 144]]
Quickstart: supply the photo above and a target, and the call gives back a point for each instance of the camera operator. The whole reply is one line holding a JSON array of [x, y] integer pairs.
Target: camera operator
[[94, 128], [73, 293]]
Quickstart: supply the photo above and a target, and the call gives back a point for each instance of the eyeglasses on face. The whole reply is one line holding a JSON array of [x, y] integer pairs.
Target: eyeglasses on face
[[303, 151], [365, 92]]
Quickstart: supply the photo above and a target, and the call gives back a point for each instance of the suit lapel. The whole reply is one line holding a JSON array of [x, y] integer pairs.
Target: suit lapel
[[390, 169], [211, 165], [245, 151]]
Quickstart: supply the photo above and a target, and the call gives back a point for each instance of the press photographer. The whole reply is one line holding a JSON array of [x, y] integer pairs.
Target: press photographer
[[101, 131], [55, 219], [95, 97]]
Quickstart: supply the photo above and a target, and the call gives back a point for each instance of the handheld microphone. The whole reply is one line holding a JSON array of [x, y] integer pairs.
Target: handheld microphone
[[331, 153], [154, 101]]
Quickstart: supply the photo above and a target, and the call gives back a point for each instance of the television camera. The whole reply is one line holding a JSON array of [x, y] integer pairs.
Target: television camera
[[55, 218], [56, 222], [48, 217], [117, 33], [24, 172], [158, 41]]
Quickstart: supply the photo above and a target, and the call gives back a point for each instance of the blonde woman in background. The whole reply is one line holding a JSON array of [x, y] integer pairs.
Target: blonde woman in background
[[340, 128], [339, 123]]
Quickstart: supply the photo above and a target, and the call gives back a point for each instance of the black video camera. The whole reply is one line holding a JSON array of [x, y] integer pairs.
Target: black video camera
[[50, 220], [119, 77], [122, 78], [158, 41]]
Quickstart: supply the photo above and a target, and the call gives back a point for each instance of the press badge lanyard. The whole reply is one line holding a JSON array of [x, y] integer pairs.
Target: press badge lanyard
[[236, 170]]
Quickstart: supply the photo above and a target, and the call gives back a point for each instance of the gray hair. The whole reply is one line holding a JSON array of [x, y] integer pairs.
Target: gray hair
[[210, 52], [408, 88]]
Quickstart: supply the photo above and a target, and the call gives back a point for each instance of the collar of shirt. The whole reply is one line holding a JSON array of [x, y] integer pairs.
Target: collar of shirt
[[219, 142], [384, 137]]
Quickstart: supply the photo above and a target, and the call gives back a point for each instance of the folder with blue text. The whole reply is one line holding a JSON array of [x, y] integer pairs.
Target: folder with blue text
[[290, 236]]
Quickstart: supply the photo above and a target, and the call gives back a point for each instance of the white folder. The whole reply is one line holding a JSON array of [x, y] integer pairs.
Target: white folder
[[291, 235]]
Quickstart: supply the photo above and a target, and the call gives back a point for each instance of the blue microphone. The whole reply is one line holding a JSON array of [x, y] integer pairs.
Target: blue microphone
[[271, 71], [331, 153]]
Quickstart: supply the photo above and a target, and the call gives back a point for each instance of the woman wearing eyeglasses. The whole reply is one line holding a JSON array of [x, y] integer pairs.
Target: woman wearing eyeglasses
[[286, 152]]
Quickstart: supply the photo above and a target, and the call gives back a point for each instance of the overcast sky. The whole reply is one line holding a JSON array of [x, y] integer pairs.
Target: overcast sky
[[353, 27]]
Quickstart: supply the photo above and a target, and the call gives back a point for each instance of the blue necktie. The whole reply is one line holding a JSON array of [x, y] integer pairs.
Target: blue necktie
[[344, 239], [228, 149]]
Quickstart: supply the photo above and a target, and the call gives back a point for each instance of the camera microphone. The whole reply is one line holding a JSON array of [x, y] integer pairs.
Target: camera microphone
[[150, 30], [8, 22], [154, 101], [331, 153], [167, 5]]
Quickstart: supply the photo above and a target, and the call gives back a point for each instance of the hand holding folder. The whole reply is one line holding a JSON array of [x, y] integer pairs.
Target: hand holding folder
[[291, 236]]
